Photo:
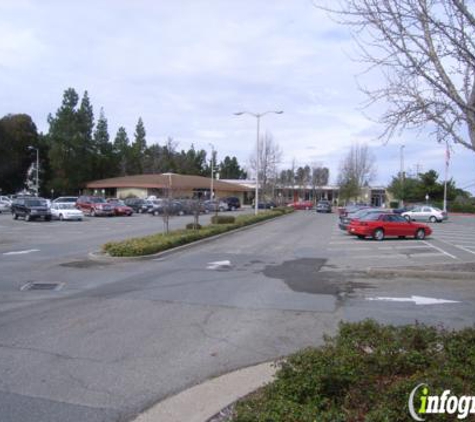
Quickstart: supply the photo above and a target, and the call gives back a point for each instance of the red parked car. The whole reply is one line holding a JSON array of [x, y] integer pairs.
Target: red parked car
[[379, 226], [302, 205], [94, 206], [119, 207]]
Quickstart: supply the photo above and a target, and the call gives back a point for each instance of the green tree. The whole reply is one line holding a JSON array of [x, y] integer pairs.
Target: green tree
[[17, 133], [229, 168], [121, 150], [70, 142], [138, 148], [103, 150]]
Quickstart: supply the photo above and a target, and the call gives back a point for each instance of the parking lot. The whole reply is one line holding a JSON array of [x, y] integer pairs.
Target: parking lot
[[117, 336]]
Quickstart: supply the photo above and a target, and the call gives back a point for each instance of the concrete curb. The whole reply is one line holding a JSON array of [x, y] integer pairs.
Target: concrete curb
[[203, 401], [447, 275], [101, 256]]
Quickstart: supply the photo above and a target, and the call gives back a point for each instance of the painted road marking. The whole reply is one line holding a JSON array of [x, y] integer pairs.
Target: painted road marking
[[418, 300], [440, 250], [218, 264], [20, 252]]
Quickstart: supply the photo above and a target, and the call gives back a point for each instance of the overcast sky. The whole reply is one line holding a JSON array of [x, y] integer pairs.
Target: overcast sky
[[186, 66]]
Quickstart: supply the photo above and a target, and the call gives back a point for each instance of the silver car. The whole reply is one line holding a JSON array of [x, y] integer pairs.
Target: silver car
[[66, 211], [425, 213]]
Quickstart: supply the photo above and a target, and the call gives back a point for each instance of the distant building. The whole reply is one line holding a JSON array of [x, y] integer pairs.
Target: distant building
[[163, 185], [374, 195]]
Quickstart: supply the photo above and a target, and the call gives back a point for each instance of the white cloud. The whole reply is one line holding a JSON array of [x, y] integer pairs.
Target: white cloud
[[185, 67]]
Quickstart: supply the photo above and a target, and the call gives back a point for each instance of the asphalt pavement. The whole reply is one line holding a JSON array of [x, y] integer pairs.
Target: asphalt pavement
[[113, 338]]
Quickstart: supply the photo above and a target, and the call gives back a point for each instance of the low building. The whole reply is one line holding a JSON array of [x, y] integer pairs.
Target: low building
[[373, 195], [164, 185]]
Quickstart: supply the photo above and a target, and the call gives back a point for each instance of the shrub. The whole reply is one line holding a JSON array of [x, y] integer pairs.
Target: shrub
[[161, 241], [457, 207], [366, 372], [223, 219], [394, 204], [193, 226]]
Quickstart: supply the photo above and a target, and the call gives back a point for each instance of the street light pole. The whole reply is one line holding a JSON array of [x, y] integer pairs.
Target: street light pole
[[37, 168], [402, 174], [211, 195], [258, 118]]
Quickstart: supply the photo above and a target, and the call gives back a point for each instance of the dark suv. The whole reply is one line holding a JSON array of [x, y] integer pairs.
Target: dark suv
[[31, 208], [94, 206], [233, 202]]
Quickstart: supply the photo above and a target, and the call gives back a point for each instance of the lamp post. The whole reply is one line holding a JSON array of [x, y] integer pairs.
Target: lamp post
[[211, 194], [37, 167], [258, 118], [402, 174]]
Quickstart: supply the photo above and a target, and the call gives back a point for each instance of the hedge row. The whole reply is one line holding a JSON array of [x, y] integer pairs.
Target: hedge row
[[161, 241], [366, 373]]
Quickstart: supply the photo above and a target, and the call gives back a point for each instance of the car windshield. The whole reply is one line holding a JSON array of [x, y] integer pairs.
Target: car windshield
[[98, 200], [35, 203], [66, 206], [116, 202]]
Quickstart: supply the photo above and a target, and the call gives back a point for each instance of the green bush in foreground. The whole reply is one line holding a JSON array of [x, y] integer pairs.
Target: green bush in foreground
[[223, 219], [161, 242], [366, 373]]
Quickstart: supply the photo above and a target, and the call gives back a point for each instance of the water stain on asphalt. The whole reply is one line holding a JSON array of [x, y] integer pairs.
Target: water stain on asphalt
[[304, 275]]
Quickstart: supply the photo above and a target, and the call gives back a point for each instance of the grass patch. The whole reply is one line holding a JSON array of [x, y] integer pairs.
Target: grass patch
[[161, 241], [366, 373]]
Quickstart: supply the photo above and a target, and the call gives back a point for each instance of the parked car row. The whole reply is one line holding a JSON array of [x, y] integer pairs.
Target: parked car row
[[74, 208]]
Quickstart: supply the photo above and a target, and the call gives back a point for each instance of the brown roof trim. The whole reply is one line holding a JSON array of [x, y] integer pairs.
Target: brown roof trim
[[164, 181]]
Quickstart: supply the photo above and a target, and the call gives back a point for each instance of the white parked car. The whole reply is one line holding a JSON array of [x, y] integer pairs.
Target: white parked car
[[425, 213], [5, 206], [66, 211]]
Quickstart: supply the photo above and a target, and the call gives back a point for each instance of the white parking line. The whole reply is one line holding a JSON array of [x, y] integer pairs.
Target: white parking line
[[20, 252], [440, 250], [465, 249]]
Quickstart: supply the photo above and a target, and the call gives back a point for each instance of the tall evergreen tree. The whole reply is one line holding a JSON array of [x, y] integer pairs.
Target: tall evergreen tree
[[122, 152], [229, 168], [138, 148], [103, 156], [64, 154]]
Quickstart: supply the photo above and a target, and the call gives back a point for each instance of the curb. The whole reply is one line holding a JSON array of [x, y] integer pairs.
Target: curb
[[203, 401], [101, 256], [448, 275]]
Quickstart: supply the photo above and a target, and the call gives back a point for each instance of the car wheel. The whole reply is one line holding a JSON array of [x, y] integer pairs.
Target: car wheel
[[420, 234], [433, 219], [306, 208], [27, 217], [61, 218], [155, 213], [401, 237], [233, 208], [93, 213], [360, 236], [180, 213], [15, 216], [378, 234], [47, 218]]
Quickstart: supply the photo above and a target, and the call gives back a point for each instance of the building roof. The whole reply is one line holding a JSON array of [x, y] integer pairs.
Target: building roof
[[165, 181]]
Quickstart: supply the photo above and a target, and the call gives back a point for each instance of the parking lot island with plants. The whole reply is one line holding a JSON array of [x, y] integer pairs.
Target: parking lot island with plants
[[160, 242]]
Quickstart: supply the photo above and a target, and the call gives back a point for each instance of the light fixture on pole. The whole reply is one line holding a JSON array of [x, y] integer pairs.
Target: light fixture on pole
[[211, 194], [258, 118], [37, 167]]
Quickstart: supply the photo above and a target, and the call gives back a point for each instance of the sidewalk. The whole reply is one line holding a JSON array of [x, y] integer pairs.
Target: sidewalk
[[203, 401]]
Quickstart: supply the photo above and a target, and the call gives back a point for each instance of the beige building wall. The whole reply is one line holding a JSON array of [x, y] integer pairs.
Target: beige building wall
[[123, 193]]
